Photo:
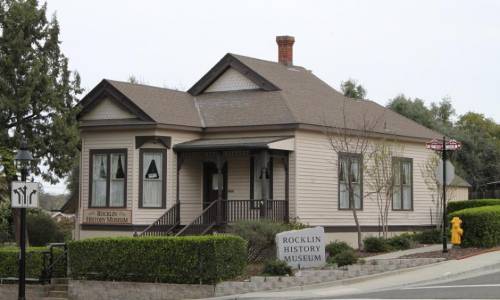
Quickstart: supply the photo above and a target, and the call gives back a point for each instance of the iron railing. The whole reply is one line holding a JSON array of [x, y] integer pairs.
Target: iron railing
[[51, 262], [165, 224]]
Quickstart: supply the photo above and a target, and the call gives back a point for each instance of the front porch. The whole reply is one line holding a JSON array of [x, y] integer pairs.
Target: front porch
[[222, 181]]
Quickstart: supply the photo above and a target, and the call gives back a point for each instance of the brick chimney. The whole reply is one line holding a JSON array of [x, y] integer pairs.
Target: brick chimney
[[285, 49]]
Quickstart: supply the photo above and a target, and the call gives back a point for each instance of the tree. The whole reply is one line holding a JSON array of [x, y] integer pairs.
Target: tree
[[428, 172], [413, 109], [37, 91], [352, 89], [382, 183], [343, 139]]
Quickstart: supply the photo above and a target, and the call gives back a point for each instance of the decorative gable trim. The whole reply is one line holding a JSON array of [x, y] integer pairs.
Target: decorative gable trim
[[105, 90], [229, 61], [164, 140]]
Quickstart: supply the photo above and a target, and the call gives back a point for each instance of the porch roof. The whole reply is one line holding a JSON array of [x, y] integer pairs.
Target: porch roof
[[244, 143]]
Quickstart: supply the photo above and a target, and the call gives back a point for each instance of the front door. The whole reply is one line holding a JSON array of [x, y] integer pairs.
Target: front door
[[210, 183]]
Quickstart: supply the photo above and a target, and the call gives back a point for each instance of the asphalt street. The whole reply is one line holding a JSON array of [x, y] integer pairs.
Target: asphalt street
[[480, 287]]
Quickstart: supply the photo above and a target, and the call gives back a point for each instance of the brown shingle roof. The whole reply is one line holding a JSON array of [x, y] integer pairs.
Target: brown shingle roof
[[300, 98]]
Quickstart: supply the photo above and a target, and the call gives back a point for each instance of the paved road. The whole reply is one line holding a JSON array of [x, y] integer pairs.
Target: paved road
[[479, 287]]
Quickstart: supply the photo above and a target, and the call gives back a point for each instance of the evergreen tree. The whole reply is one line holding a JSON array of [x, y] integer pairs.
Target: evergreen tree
[[352, 89], [37, 91]]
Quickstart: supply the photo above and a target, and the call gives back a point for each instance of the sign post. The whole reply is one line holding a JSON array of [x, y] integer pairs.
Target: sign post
[[23, 195], [444, 147]]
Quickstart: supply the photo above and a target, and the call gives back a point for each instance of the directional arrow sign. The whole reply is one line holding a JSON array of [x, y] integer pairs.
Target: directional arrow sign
[[24, 194], [450, 172]]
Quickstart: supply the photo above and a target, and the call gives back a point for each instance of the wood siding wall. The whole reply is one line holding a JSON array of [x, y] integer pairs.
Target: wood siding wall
[[316, 186]]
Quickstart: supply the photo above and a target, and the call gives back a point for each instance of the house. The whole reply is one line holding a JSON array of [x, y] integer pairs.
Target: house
[[459, 189], [246, 142]]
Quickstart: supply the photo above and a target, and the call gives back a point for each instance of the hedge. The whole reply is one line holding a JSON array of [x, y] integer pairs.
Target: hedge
[[481, 226], [459, 205], [34, 262], [192, 259]]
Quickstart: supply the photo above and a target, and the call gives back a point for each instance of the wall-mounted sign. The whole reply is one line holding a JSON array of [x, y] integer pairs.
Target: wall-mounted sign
[[24, 194], [302, 248], [107, 216]]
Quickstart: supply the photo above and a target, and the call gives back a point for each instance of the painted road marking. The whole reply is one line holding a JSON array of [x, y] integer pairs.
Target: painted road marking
[[451, 286]]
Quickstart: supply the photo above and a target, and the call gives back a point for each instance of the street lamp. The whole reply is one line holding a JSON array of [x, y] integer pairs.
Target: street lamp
[[23, 161]]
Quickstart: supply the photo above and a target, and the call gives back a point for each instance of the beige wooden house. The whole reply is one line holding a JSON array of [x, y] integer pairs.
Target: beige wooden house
[[246, 142]]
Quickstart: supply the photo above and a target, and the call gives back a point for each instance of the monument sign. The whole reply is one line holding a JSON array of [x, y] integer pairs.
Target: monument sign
[[302, 248]]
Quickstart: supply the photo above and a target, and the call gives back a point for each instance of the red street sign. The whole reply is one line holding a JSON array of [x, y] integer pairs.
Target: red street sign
[[437, 145]]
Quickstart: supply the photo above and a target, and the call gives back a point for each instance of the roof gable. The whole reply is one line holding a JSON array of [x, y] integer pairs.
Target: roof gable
[[231, 80], [107, 102], [230, 61]]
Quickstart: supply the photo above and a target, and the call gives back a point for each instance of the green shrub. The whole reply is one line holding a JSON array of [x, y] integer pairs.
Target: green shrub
[[42, 229], [459, 205], [481, 226], [34, 262], [277, 267], [335, 247], [344, 258], [6, 234], [192, 259], [401, 242], [376, 244], [432, 236], [260, 236]]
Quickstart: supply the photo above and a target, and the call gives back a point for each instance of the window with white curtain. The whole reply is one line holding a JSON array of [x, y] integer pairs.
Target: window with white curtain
[[152, 178], [355, 163], [257, 179], [108, 178], [402, 196]]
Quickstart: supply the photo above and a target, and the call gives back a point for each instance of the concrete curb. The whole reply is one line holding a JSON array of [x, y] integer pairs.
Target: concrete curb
[[453, 276]]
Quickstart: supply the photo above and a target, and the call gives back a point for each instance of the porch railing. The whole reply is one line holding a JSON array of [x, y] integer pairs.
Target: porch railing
[[204, 222], [239, 210], [165, 224]]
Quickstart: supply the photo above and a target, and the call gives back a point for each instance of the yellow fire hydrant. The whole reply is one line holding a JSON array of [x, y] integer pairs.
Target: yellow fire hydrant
[[456, 231]]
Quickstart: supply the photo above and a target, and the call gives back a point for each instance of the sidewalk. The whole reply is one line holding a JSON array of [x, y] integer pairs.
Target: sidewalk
[[433, 273], [397, 254]]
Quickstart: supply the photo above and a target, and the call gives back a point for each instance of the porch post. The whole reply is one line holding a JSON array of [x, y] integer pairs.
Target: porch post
[[286, 163], [220, 185], [265, 183], [180, 160]]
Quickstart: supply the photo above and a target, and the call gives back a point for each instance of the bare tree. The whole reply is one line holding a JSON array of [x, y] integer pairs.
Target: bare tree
[[428, 171], [382, 183], [352, 143]]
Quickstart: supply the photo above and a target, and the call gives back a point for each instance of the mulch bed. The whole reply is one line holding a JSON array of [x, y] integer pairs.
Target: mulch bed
[[363, 254], [453, 253]]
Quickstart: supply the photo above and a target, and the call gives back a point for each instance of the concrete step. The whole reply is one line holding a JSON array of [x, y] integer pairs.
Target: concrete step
[[58, 294], [59, 287], [59, 281]]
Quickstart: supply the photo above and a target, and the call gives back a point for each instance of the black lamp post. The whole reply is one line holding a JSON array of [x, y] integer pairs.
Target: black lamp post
[[23, 161]]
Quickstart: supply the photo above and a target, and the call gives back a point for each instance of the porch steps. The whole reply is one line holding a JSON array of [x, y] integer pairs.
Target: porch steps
[[58, 290]]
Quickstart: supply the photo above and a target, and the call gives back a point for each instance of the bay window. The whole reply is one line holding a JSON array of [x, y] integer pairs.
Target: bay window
[[152, 178], [355, 174], [402, 196], [108, 178]]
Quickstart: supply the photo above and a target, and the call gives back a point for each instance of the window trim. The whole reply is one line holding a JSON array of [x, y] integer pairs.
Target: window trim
[[108, 153], [339, 158], [163, 175], [403, 159], [252, 183]]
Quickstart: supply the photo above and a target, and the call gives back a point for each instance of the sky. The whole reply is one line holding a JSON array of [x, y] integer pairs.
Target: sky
[[425, 49]]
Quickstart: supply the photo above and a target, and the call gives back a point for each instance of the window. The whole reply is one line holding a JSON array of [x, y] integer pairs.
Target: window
[[402, 195], [109, 176], [152, 190], [256, 179], [356, 174]]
